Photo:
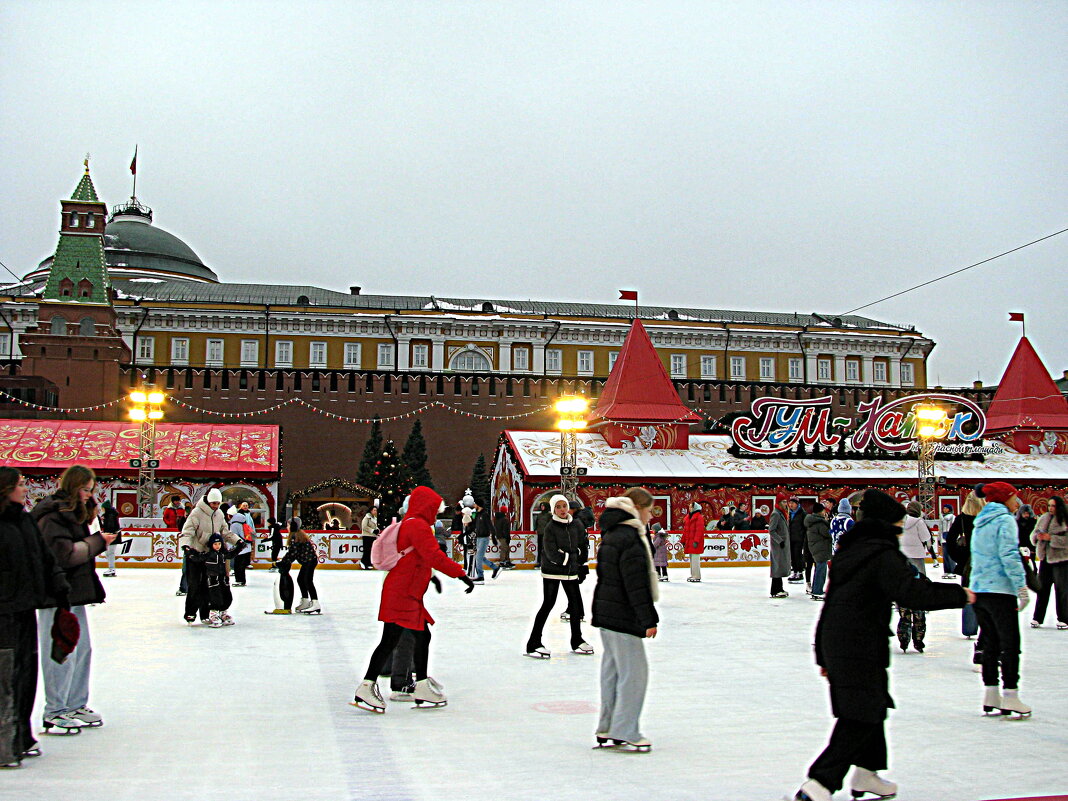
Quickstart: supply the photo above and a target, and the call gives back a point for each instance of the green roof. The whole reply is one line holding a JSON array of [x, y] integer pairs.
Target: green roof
[[79, 257], [85, 191]]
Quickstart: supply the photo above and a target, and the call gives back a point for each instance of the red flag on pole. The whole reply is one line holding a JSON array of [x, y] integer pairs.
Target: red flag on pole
[[1016, 317], [133, 164], [628, 294]]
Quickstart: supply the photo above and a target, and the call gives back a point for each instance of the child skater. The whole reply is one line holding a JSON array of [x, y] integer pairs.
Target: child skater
[[402, 606], [869, 574], [660, 554], [624, 612], [302, 551], [219, 595]]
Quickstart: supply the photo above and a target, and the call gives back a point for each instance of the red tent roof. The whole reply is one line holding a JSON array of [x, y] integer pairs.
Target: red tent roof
[[186, 449], [1027, 396], [639, 390]]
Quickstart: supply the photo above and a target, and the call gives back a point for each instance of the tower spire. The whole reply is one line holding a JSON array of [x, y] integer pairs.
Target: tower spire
[[79, 273]]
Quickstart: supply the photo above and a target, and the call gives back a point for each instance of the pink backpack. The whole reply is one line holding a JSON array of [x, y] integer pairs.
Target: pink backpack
[[384, 552]]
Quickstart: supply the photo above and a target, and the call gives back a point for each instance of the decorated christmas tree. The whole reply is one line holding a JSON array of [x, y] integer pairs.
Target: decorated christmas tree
[[390, 478], [365, 473], [414, 457], [480, 483]]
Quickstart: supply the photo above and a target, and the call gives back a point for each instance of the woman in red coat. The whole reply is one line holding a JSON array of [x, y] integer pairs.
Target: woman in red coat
[[402, 600], [693, 540]]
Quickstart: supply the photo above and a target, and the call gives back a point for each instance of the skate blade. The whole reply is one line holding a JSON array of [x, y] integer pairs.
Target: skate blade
[[419, 704], [95, 725], [869, 795], [627, 748], [1010, 715], [367, 707], [313, 612], [537, 656], [56, 731]]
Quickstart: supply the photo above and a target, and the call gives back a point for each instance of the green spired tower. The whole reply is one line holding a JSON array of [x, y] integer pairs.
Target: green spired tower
[[79, 273]]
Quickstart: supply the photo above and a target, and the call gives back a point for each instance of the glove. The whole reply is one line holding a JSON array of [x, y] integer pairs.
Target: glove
[[1025, 599], [436, 582], [470, 584]]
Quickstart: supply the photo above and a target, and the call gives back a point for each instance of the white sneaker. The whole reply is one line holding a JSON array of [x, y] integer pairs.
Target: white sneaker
[[87, 717], [812, 790], [867, 781], [426, 694], [368, 697]]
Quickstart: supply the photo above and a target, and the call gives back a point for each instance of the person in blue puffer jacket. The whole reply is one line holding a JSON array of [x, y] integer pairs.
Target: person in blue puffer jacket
[[1000, 587]]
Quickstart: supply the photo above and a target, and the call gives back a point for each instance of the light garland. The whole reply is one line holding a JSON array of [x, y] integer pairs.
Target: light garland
[[41, 407], [344, 418]]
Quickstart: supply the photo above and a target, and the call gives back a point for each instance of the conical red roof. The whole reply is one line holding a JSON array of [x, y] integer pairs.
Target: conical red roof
[[1027, 396], [638, 389]]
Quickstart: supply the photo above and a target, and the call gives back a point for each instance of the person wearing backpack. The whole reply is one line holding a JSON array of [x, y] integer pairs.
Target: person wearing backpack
[[369, 530], [401, 607], [242, 528]]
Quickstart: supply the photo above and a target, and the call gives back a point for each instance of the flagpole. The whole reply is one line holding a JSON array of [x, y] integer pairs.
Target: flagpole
[[134, 170]]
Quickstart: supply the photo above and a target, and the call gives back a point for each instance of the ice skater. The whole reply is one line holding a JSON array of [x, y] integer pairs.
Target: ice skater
[[779, 544], [300, 550], [693, 540], [220, 598], [624, 611], [660, 551], [868, 575], [402, 606]]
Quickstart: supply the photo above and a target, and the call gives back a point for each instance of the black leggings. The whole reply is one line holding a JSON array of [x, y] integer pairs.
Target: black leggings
[[661, 570], [391, 634], [550, 588], [306, 581], [999, 625], [853, 742]]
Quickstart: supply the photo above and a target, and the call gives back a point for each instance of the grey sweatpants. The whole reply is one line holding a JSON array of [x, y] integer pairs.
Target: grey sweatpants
[[66, 686], [624, 676]]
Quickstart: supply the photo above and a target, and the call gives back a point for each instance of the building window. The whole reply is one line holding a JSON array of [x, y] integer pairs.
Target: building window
[[738, 368], [250, 353], [5, 346], [852, 370], [880, 372], [612, 356], [521, 359], [385, 355], [767, 369], [708, 367], [585, 361], [317, 354], [908, 375], [420, 355], [797, 370], [146, 348], [470, 361], [74, 219], [823, 370], [352, 355], [553, 360], [283, 353], [678, 365], [180, 351], [90, 220], [214, 353]]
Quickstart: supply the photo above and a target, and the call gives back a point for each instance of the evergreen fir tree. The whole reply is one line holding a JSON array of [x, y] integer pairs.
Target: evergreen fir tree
[[480, 483], [365, 473], [414, 457], [391, 479]]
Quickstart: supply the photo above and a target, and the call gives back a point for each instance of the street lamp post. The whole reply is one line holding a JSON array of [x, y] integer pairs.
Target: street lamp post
[[145, 410], [931, 422], [571, 412]]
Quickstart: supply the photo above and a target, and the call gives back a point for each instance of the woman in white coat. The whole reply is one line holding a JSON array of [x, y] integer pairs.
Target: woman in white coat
[[915, 544]]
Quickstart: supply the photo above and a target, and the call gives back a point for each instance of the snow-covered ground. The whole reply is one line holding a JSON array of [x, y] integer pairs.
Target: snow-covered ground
[[735, 709]]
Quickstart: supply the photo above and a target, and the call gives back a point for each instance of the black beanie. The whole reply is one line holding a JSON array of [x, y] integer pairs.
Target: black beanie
[[877, 504]]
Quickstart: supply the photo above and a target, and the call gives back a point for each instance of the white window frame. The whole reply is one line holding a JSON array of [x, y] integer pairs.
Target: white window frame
[[708, 367], [767, 368], [738, 368], [420, 356], [824, 370], [852, 370], [250, 353], [180, 350], [796, 369], [613, 355], [5, 345], [386, 358], [678, 365], [584, 362], [283, 353], [317, 360], [220, 344], [876, 369], [521, 359], [554, 360], [353, 355], [146, 348], [908, 374]]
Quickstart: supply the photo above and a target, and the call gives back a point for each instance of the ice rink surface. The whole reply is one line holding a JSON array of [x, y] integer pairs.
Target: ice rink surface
[[736, 709]]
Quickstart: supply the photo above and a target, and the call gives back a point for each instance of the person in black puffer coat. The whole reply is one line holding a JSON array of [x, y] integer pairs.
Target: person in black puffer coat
[[63, 519], [30, 578], [563, 563], [624, 611], [818, 535], [868, 575]]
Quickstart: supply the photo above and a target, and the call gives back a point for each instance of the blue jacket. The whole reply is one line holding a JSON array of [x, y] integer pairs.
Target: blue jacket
[[996, 564]]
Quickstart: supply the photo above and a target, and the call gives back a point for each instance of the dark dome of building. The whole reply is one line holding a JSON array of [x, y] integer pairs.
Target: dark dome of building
[[135, 248]]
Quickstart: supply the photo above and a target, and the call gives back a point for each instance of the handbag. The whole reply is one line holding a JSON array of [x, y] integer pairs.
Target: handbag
[[1034, 583]]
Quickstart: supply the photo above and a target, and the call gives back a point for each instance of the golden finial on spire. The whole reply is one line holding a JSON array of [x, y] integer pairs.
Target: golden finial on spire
[[86, 162]]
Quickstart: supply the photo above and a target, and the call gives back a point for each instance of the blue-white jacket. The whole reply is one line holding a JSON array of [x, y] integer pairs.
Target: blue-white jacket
[[996, 565]]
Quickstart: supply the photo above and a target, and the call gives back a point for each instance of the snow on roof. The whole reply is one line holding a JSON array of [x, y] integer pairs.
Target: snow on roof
[[708, 458]]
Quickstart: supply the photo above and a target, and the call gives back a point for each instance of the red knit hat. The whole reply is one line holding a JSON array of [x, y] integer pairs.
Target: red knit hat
[[998, 491], [781, 498]]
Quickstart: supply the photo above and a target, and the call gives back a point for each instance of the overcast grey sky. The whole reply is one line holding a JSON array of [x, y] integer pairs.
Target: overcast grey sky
[[764, 155]]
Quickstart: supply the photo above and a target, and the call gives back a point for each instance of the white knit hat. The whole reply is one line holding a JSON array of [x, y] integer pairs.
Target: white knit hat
[[214, 495]]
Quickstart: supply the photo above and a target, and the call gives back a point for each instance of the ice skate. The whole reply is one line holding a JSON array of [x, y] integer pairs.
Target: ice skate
[[404, 694], [87, 717], [304, 604], [1062, 626], [190, 620], [312, 608], [227, 620], [426, 695], [808, 588], [11, 765], [693, 580], [869, 784], [109, 573], [62, 724], [215, 620], [368, 697], [278, 612], [32, 752], [812, 790], [780, 594], [992, 701], [180, 594], [583, 648], [1012, 705], [816, 597], [604, 741], [639, 746], [1035, 624], [541, 652]]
